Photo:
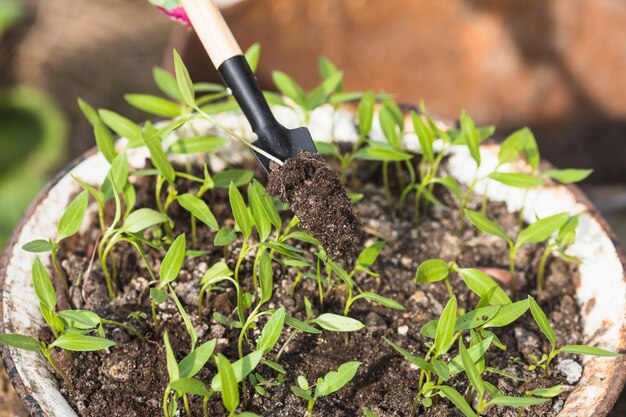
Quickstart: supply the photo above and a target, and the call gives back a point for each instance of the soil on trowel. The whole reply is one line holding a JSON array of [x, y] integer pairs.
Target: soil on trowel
[[129, 379], [317, 196]]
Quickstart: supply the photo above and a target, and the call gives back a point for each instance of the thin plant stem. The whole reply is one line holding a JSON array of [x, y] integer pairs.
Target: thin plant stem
[[284, 346], [64, 376], [59, 271], [512, 252], [386, 183], [155, 321], [541, 270], [449, 287], [186, 403], [123, 326]]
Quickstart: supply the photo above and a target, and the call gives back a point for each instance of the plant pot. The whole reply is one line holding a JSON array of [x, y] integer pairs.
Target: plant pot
[[600, 291]]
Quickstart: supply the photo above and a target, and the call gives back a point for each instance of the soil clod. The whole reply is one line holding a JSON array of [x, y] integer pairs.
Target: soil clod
[[317, 196]]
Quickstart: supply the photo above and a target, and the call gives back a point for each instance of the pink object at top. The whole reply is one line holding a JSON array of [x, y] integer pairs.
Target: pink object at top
[[176, 13]]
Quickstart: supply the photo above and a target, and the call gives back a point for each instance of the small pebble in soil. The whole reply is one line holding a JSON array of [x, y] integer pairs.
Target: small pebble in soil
[[316, 195], [571, 370], [403, 330]]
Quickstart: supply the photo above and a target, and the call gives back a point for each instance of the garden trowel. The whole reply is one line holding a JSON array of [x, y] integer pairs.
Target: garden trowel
[[272, 137]]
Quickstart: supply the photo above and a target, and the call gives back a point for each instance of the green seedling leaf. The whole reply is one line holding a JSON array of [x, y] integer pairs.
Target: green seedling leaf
[[241, 369], [73, 216], [377, 298], [337, 323], [195, 361], [83, 319], [517, 401], [117, 176], [173, 261], [288, 87], [261, 219], [444, 335], [587, 350], [159, 296], [43, 285], [20, 341], [519, 142], [335, 380], [303, 236], [504, 374], [219, 269], [266, 278], [568, 176], [388, 125], [81, 343], [368, 413], [124, 127], [185, 86], [38, 246], [94, 192], [300, 325], [166, 83], [429, 329], [299, 392], [432, 270], [425, 137], [104, 141], [458, 400], [487, 226], [327, 148], [471, 370], [341, 273], [142, 219], [272, 330], [172, 365], [152, 140], [274, 365], [88, 111], [230, 389], [441, 369], [268, 206], [541, 320], [302, 382], [368, 256], [550, 392], [153, 105], [252, 55], [377, 151], [486, 298], [508, 314], [318, 96], [516, 179], [189, 386], [415, 360], [365, 113], [481, 283], [476, 352], [542, 229], [240, 212], [470, 136], [197, 144], [476, 318], [224, 237], [188, 325], [199, 209], [452, 185]]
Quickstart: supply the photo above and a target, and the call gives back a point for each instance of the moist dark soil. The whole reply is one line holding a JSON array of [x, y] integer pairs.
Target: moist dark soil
[[129, 380], [315, 194]]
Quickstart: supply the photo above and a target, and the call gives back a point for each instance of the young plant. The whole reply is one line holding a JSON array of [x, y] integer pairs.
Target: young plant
[[329, 384], [558, 245], [170, 268], [544, 324], [68, 225], [537, 232]]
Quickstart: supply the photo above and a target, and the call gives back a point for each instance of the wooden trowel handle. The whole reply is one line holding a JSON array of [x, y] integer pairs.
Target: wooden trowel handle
[[212, 29]]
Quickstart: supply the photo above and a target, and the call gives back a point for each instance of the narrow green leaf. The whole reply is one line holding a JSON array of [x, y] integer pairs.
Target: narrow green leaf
[[173, 261], [381, 152], [239, 177], [458, 400], [166, 83], [197, 144], [141, 219], [73, 216], [487, 226], [542, 229], [508, 314], [38, 246], [289, 87], [388, 125], [476, 352], [81, 343], [195, 361], [587, 350], [337, 323], [444, 335], [368, 256], [517, 401], [432, 270], [476, 318], [191, 331], [153, 105], [470, 136], [88, 111], [424, 136], [189, 386], [261, 219], [230, 389], [471, 370], [299, 392], [152, 140], [20, 341], [94, 192], [441, 369], [121, 125], [104, 140], [568, 176], [416, 360], [43, 285], [377, 298], [452, 185], [271, 331], [172, 365], [240, 212], [224, 237], [252, 55], [241, 368], [319, 95], [335, 380], [542, 320], [517, 179], [481, 283], [365, 113], [118, 175], [267, 204], [368, 413], [549, 392], [300, 325], [185, 86], [84, 319], [266, 278], [199, 209]]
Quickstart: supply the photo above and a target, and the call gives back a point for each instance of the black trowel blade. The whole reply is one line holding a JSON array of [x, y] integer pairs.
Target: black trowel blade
[[284, 144]]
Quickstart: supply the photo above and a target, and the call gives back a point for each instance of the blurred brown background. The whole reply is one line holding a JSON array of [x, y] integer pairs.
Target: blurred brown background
[[558, 66]]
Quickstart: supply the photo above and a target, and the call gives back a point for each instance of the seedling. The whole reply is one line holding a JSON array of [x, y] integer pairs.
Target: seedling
[[558, 245], [544, 324], [170, 268], [329, 384], [537, 232]]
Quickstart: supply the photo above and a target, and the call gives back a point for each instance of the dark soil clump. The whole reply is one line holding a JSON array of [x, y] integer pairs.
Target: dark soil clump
[[316, 195]]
